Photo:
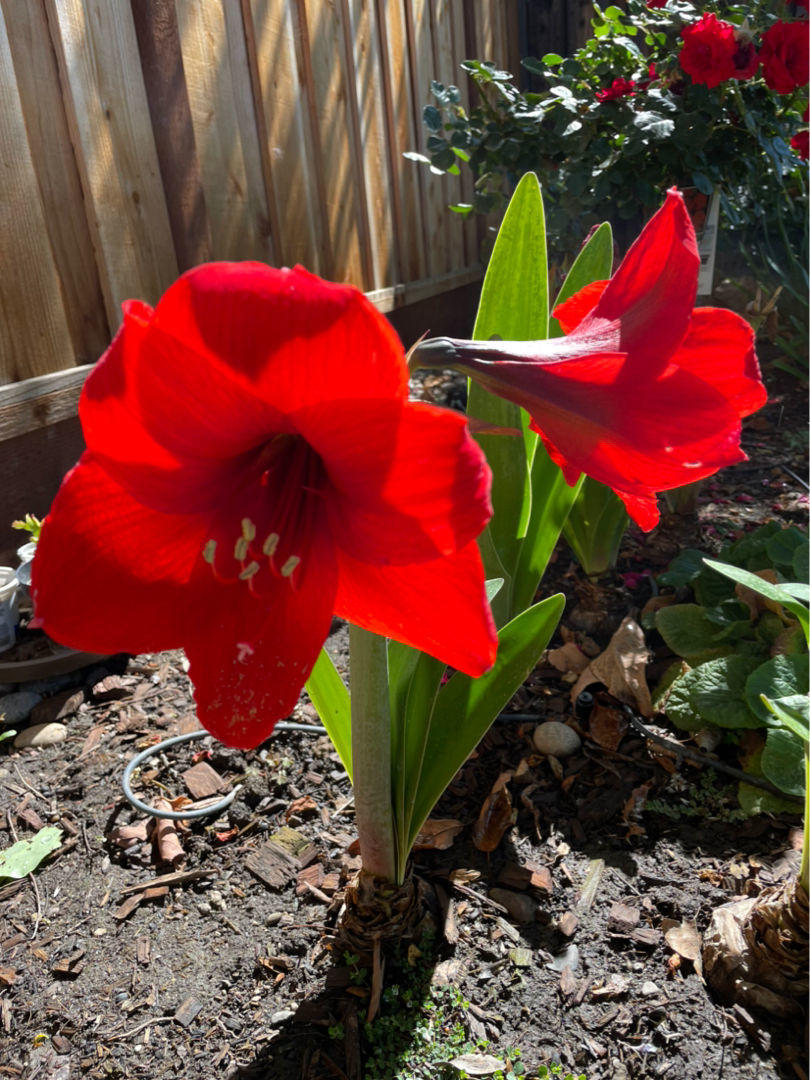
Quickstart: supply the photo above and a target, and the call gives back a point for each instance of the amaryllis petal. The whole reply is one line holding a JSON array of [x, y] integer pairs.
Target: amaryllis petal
[[158, 453], [249, 656], [659, 273], [729, 340], [572, 311], [294, 338], [426, 478], [109, 574], [436, 607]]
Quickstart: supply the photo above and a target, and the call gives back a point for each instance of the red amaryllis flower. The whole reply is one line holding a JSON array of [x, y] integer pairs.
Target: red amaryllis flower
[[656, 3], [707, 53], [784, 56], [254, 467], [619, 88], [644, 393]]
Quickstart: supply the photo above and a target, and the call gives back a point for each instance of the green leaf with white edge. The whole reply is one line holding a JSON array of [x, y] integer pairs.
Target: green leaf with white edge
[[792, 712], [23, 857], [594, 263], [779, 677], [465, 707], [513, 306], [329, 695], [782, 594], [783, 761]]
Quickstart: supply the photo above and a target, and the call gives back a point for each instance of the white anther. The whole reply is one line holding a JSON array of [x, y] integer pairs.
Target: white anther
[[248, 529], [290, 565], [240, 549], [270, 544], [209, 551], [249, 571]]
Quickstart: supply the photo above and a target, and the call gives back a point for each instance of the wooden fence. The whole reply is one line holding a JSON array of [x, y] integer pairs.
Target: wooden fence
[[140, 137]]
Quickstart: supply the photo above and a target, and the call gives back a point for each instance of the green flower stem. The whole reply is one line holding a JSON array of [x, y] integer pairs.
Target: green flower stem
[[371, 753], [804, 869]]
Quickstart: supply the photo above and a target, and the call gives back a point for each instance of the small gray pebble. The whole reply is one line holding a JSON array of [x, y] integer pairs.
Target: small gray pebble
[[556, 738]]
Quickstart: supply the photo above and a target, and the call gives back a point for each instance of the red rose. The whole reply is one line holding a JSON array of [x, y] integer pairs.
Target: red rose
[[746, 59], [708, 51], [618, 88], [801, 144], [784, 56]]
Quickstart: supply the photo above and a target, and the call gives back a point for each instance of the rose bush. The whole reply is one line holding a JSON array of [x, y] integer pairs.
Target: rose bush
[[662, 94]]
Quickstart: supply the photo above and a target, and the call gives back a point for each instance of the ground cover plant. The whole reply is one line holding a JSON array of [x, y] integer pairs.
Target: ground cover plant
[[256, 529]]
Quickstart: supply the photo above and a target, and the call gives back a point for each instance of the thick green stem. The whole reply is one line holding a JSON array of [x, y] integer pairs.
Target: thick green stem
[[371, 753], [804, 869]]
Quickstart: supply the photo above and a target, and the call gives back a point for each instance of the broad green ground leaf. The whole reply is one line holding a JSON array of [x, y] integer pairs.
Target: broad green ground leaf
[[754, 800], [782, 547], [719, 692], [801, 560], [466, 707], [513, 306], [783, 761], [687, 631], [779, 677], [329, 695], [679, 706], [684, 569], [24, 856]]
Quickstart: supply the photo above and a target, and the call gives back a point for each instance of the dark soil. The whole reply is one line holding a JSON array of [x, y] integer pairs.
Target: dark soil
[[221, 974]]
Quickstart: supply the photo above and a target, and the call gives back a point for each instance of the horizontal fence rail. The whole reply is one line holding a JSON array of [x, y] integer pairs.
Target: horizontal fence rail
[[141, 137]]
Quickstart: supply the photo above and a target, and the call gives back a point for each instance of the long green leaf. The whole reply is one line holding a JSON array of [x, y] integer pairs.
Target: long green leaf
[[552, 498], [513, 306], [329, 695], [782, 594], [595, 527], [466, 707]]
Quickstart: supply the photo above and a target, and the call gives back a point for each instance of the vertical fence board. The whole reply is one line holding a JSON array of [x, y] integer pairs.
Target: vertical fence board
[[405, 137], [436, 193], [107, 108], [289, 137], [33, 328], [373, 139], [446, 71], [221, 99], [57, 182], [164, 79], [327, 83]]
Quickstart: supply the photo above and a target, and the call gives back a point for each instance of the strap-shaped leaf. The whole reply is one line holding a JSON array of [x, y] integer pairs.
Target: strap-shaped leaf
[[513, 306], [466, 707], [782, 594], [594, 263], [329, 695]]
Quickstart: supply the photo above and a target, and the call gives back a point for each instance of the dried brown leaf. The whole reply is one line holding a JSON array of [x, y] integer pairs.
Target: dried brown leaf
[[621, 668]]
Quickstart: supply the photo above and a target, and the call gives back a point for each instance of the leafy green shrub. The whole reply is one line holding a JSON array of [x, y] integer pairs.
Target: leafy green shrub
[[740, 645], [620, 121]]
